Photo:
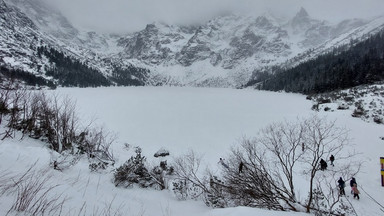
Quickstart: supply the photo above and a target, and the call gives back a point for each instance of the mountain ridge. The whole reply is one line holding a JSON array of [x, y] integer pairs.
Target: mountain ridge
[[226, 51]]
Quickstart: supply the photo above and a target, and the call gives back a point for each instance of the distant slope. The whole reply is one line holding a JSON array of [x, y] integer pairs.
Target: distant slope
[[49, 51], [343, 67]]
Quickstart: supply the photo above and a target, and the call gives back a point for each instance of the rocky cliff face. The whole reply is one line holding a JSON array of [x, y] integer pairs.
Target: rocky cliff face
[[225, 51], [232, 47], [18, 37]]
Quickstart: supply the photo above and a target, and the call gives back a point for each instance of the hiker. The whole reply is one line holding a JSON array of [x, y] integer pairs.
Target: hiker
[[341, 186], [323, 165], [355, 191], [221, 161], [351, 183], [55, 165], [332, 158], [302, 146], [241, 165]]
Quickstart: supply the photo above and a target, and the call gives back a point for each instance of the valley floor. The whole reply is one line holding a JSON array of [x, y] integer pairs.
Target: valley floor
[[208, 121]]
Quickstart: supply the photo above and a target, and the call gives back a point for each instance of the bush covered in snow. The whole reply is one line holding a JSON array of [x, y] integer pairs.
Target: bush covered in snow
[[133, 171], [161, 153], [366, 102]]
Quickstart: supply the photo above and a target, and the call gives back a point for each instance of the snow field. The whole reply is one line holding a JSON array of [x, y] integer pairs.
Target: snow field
[[208, 121]]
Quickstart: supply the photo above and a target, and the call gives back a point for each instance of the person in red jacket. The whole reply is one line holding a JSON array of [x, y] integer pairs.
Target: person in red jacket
[[355, 191]]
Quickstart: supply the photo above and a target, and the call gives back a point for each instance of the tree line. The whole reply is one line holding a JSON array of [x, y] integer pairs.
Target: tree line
[[26, 77], [71, 72], [129, 76], [361, 63]]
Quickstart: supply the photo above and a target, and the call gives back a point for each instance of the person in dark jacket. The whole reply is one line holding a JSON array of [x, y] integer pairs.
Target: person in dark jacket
[[323, 164], [332, 158], [341, 186], [241, 165]]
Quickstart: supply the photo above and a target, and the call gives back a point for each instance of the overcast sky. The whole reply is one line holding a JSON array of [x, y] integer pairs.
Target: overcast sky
[[133, 15]]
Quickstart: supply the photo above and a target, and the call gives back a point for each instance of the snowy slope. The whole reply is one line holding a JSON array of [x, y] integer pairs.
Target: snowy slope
[[208, 121], [226, 50]]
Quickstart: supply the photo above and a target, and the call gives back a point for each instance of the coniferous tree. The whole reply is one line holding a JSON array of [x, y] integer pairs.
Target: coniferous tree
[[343, 67]]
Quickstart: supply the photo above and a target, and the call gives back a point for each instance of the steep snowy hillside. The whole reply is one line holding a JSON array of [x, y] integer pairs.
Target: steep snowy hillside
[[226, 50], [28, 26], [18, 36]]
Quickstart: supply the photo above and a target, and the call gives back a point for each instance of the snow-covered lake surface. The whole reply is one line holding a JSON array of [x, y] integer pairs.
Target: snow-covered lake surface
[[206, 120]]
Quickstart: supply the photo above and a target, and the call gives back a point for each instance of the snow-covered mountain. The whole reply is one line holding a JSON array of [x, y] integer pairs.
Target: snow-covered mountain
[[224, 51]]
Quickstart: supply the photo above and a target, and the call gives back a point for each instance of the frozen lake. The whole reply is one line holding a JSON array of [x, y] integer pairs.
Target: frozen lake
[[208, 121]]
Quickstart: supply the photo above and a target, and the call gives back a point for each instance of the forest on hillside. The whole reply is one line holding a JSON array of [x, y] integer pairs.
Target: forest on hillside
[[341, 68], [70, 72], [23, 76]]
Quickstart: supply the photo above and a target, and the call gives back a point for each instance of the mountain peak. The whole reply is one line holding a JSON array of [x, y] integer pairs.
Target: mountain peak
[[301, 19], [302, 13], [150, 26]]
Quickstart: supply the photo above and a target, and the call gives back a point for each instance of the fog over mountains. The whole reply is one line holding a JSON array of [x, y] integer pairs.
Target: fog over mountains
[[226, 51]]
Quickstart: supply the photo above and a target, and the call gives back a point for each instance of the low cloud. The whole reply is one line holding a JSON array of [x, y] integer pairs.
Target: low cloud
[[133, 15]]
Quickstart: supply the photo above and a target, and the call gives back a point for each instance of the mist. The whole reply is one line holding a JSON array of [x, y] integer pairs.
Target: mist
[[118, 16]]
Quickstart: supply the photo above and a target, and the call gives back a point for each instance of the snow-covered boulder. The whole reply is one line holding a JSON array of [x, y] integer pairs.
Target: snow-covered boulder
[[161, 153]]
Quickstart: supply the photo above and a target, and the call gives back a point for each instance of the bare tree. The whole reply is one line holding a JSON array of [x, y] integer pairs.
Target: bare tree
[[188, 173], [271, 162], [282, 142], [255, 185], [323, 138]]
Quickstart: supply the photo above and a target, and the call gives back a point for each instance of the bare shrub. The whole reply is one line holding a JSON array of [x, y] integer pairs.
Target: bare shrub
[[64, 160], [53, 119], [12, 106], [50, 118], [96, 143], [109, 209], [160, 175], [33, 193], [188, 182]]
